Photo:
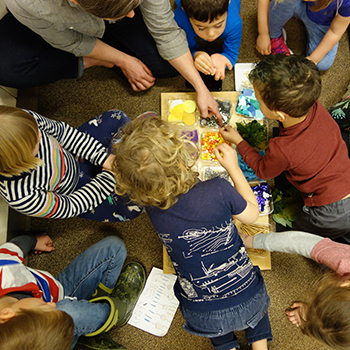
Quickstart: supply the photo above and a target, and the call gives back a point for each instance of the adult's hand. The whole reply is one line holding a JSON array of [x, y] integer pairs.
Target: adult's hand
[[138, 74], [205, 101], [207, 105]]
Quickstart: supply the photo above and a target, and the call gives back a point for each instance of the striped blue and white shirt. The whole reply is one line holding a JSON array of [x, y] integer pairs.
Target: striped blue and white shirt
[[49, 191]]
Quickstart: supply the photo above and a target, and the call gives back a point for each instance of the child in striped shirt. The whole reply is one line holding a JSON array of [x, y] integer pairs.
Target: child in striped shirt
[[49, 169]]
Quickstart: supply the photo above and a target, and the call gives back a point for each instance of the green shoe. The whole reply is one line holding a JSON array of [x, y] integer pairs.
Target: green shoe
[[127, 290], [100, 342]]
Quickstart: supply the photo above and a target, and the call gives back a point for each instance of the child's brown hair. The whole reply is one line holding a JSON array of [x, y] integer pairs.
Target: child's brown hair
[[328, 314], [205, 10], [289, 84], [18, 138], [153, 162], [37, 329]]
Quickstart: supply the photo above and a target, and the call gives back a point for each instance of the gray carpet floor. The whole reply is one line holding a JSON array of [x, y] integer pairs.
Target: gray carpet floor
[[100, 89]]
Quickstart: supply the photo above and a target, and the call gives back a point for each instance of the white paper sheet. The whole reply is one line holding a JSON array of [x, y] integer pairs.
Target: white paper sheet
[[156, 307]]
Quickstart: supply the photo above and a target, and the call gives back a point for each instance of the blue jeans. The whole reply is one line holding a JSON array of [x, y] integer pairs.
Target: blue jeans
[[102, 262], [281, 12], [218, 325], [104, 128]]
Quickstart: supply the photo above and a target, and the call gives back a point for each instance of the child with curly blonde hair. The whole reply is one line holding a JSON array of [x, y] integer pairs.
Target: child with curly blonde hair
[[219, 289]]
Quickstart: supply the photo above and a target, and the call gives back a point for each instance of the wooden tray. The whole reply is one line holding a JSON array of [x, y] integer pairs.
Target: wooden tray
[[264, 262]]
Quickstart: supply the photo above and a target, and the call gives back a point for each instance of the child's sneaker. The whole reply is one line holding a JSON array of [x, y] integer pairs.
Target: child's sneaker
[[278, 45]]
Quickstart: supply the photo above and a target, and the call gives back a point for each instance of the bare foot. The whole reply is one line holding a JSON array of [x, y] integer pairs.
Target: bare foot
[[297, 313], [90, 62]]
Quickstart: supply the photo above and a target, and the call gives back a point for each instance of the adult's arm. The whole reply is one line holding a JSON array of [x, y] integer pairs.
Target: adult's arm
[[173, 47], [205, 100], [138, 74], [63, 27]]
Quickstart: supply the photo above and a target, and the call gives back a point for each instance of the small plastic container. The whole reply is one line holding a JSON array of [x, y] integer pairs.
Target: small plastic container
[[263, 195], [209, 139], [183, 112], [263, 122], [208, 171]]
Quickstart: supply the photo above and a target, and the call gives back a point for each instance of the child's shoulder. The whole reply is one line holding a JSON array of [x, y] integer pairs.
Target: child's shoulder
[[234, 7]]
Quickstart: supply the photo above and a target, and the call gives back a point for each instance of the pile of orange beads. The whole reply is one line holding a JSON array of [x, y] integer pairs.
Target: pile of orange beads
[[209, 141]]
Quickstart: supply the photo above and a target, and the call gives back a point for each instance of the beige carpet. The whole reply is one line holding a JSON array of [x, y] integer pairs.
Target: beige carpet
[[100, 89]]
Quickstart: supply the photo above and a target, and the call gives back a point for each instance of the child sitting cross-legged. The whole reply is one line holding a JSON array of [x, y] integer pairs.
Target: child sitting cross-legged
[[219, 289], [309, 148], [90, 296], [214, 31]]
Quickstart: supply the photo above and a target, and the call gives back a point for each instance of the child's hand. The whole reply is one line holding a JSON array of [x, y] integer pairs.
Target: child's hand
[[108, 164], [226, 155], [220, 63], [247, 240], [231, 135], [263, 44], [44, 244], [204, 63]]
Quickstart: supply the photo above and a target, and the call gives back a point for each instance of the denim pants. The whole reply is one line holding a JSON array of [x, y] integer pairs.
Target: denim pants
[[104, 128], [218, 325], [101, 262], [27, 60], [281, 12]]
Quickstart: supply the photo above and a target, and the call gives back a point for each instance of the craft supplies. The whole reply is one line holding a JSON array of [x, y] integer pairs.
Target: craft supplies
[[208, 143], [248, 104], [252, 230], [263, 196], [225, 112], [254, 132], [182, 112], [217, 171]]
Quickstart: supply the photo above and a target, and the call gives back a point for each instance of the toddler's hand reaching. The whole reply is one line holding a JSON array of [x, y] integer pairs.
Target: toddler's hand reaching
[[204, 63], [220, 63], [43, 244], [231, 135], [226, 155], [247, 240]]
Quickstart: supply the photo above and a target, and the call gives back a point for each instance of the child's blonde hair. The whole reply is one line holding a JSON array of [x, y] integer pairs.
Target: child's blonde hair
[[153, 163], [37, 329], [18, 138], [328, 314]]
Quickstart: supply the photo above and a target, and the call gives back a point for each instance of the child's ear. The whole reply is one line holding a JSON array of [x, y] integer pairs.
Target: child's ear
[[280, 116], [6, 314]]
